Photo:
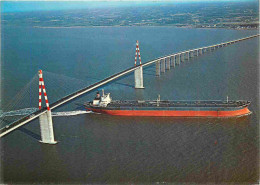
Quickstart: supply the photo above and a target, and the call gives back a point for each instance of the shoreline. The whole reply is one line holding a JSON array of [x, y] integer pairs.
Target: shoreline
[[187, 27]]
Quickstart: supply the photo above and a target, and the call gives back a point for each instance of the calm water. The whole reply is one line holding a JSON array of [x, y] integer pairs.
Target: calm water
[[95, 148]]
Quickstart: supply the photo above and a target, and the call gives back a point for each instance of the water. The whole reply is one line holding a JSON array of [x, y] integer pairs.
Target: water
[[96, 148]]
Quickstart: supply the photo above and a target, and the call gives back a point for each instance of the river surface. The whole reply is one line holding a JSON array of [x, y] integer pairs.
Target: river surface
[[96, 148]]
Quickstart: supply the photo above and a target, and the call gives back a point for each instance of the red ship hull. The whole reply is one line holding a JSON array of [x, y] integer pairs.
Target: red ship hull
[[174, 113]]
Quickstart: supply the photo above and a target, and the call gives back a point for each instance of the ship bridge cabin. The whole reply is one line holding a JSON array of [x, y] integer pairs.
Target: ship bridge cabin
[[103, 100]]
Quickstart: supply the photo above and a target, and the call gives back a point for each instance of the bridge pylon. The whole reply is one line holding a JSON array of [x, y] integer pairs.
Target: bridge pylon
[[139, 82], [46, 125]]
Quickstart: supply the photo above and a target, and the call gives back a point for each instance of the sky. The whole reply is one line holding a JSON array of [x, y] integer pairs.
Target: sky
[[22, 6]]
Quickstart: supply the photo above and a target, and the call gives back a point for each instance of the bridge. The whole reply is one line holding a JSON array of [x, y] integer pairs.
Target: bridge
[[162, 63]]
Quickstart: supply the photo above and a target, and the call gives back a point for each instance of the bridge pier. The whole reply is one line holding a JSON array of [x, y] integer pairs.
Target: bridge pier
[[158, 67], [191, 54], [180, 58], [163, 66], [188, 55], [173, 61], [46, 127], [168, 66], [139, 81], [200, 51]]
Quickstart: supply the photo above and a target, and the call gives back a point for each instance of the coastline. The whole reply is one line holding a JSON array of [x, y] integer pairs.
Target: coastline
[[187, 27]]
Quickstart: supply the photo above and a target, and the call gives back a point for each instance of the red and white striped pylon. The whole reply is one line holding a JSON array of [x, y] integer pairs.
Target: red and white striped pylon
[[137, 50], [42, 87]]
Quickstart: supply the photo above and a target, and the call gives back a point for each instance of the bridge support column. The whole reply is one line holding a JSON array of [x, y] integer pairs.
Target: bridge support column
[[158, 68], [168, 65], [163, 66], [46, 127], [200, 51], [192, 54], [188, 55], [173, 61], [139, 83], [197, 53], [179, 59]]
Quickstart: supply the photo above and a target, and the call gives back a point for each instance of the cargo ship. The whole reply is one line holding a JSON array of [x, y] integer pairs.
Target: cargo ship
[[203, 108]]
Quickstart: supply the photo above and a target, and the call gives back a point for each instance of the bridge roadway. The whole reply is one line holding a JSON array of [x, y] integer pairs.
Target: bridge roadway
[[11, 127]]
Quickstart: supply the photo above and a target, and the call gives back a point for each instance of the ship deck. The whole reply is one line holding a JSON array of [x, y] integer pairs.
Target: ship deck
[[165, 103]]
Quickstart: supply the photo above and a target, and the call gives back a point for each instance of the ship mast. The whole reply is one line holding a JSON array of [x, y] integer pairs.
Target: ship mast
[[158, 100]]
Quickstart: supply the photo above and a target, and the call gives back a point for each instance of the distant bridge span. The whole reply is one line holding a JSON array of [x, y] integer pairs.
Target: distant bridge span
[[9, 128]]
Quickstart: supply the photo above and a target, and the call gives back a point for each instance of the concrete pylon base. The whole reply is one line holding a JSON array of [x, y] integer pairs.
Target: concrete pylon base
[[139, 84], [46, 127]]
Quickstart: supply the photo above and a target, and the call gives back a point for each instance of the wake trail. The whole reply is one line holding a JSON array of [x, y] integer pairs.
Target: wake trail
[[71, 113]]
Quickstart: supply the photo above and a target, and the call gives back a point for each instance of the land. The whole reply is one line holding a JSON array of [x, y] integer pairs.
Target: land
[[234, 15]]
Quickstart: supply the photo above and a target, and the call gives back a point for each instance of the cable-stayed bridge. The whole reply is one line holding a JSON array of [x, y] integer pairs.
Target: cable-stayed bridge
[[162, 64]]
